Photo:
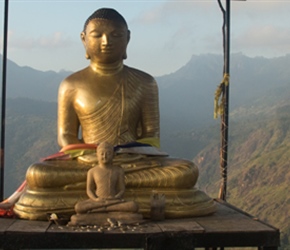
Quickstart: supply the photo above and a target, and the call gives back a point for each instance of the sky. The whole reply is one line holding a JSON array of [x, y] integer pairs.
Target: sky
[[45, 34]]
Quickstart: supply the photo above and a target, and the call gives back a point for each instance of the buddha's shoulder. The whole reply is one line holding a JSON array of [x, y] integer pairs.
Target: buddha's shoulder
[[140, 75], [73, 79], [78, 75]]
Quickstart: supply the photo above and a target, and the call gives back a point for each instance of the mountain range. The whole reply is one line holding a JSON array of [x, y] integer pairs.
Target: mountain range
[[259, 134]]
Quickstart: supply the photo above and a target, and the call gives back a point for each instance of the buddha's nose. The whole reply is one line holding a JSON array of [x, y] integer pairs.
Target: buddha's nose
[[105, 39]]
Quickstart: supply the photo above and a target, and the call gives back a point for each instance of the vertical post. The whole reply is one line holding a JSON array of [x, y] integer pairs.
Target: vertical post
[[3, 106], [225, 115]]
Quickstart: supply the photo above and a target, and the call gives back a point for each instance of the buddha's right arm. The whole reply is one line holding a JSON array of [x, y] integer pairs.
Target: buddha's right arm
[[91, 186], [68, 123]]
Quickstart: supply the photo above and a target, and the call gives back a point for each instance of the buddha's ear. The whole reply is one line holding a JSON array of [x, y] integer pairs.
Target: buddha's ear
[[128, 36], [83, 37], [128, 39]]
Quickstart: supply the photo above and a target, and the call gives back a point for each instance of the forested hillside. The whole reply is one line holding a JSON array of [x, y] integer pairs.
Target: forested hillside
[[30, 135], [258, 168]]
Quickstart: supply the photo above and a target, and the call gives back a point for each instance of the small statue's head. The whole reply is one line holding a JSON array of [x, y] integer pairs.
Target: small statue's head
[[105, 153], [105, 36]]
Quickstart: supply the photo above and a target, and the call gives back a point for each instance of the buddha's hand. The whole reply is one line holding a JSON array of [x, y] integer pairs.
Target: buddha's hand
[[110, 197], [118, 196], [98, 199]]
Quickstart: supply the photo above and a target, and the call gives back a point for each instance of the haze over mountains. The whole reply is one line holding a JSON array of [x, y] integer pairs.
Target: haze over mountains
[[259, 143]]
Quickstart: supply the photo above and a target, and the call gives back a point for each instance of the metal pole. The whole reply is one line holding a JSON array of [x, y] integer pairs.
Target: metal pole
[[3, 106], [225, 114]]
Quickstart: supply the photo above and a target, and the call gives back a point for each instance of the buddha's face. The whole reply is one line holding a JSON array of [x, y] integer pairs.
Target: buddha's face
[[105, 153], [105, 41]]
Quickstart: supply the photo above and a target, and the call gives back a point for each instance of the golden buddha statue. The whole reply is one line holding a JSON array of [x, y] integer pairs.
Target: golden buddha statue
[[108, 101]]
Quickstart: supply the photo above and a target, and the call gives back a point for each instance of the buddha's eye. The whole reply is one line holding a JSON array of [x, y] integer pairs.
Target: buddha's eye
[[116, 34], [95, 34]]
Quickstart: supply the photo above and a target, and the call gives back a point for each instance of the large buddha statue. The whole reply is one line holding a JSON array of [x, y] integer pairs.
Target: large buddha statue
[[108, 101]]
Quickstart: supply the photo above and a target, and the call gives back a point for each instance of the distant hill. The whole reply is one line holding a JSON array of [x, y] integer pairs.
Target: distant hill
[[192, 86], [259, 138], [187, 96], [31, 83]]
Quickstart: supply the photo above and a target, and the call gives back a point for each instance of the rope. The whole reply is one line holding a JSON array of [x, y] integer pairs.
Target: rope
[[219, 100]]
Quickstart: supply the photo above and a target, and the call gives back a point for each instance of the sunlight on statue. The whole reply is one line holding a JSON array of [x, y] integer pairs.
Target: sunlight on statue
[[110, 102]]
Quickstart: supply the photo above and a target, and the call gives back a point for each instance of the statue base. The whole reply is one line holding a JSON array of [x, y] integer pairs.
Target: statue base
[[104, 219], [179, 203]]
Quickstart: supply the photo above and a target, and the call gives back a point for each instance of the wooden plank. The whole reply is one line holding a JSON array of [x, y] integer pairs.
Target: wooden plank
[[244, 213], [181, 225], [90, 237], [5, 223], [171, 241], [146, 228], [25, 234], [227, 219], [133, 236], [138, 228], [26, 226], [176, 235]]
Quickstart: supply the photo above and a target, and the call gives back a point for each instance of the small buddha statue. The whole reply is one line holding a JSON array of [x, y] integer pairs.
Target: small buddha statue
[[111, 102], [105, 189]]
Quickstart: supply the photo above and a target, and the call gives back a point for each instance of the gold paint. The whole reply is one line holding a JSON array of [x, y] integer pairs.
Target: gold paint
[[117, 104]]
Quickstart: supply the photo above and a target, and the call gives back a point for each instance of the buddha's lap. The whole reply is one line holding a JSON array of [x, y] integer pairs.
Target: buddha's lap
[[149, 172], [88, 205]]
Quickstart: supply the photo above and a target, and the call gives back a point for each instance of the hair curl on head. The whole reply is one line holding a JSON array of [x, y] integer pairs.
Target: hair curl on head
[[106, 14]]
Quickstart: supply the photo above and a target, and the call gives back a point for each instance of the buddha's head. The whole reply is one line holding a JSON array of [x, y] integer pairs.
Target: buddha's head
[[105, 36], [105, 153]]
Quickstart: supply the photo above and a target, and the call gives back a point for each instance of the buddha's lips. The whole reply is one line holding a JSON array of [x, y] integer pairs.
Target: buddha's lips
[[107, 50]]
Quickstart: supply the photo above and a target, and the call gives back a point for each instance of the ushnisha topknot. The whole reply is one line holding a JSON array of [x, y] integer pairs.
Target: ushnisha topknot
[[106, 14]]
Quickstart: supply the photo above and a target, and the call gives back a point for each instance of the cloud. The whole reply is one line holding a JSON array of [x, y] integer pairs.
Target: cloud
[[257, 9], [180, 24], [50, 41], [181, 36], [267, 37], [173, 10]]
